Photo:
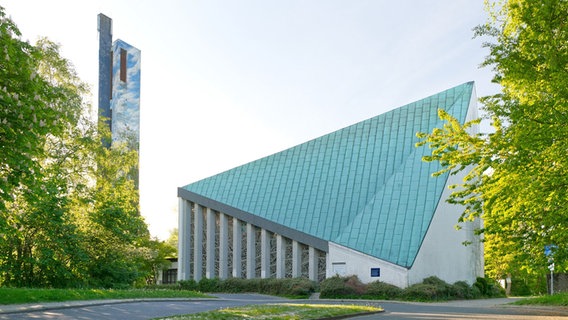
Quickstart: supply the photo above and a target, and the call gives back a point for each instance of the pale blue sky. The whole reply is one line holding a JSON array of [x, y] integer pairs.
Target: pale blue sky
[[227, 82]]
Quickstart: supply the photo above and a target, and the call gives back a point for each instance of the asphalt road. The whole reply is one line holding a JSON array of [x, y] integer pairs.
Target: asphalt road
[[463, 311], [138, 310]]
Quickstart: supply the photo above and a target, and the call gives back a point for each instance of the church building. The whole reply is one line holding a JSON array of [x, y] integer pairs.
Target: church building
[[357, 201]]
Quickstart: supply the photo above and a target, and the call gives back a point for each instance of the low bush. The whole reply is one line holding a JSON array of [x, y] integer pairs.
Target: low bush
[[341, 287], [209, 285], [350, 287], [431, 289], [382, 290], [462, 290], [333, 287], [521, 287], [489, 288], [188, 285], [234, 285], [300, 287], [290, 287], [272, 286], [422, 292], [443, 289]]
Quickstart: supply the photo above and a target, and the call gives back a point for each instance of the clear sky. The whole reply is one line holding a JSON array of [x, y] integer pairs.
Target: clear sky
[[228, 82]]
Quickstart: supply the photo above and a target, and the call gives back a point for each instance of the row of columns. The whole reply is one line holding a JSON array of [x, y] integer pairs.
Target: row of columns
[[191, 214]]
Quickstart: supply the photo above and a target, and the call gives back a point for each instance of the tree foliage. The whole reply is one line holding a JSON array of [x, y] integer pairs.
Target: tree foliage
[[518, 178], [69, 213], [40, 97]]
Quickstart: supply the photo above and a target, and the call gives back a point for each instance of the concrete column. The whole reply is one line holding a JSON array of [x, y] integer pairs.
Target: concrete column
[[197, 242], [210, 245], [280, 257], [251, 252], [296, 259], [313, 264], [264, 254], [237, 248], [223, 246], [184, 239]]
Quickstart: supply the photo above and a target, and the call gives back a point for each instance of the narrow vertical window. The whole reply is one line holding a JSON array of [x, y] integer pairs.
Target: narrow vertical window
[[111, 76], [122, 65]]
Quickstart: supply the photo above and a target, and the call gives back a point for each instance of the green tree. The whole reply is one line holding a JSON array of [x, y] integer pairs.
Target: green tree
[[39, 97], [117, 235], [172, 240], [157, 259], [41, 112], [518, 178], [69, 212]]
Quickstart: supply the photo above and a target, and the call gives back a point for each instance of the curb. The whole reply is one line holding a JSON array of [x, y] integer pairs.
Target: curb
[[348, 316]]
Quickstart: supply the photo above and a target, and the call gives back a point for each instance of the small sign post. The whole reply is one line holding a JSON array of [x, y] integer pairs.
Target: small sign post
[[551, 268], [549, 252]]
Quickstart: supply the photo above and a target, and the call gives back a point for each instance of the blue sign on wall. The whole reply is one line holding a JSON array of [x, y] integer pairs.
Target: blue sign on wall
[[375, 272]]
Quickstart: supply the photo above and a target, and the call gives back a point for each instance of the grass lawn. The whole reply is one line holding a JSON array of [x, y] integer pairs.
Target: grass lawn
[[559, 299], [24, 295], [279, 311]]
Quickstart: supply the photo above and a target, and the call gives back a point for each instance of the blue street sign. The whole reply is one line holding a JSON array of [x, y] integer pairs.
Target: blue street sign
[[548, 250]]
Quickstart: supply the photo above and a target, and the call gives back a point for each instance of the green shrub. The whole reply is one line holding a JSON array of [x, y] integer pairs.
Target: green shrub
[[481, 284], [476, 292], [443, 289], [334, 287], [293, 287], [341, 287], [300, 287], [434, 288], [188, 285], [252, 285], [355, 284], [489, 288], [234, 285], [496, 291], [421, 292], [462, 290], [382, 290], [209, 285], [272, 286], [520, 287], [433, 280]]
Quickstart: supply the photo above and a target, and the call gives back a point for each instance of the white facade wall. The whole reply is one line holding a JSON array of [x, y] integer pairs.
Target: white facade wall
[[442, 253], [360, 264]]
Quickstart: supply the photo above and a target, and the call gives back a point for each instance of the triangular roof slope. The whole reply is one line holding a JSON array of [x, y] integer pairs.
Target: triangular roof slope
[[363, 187]]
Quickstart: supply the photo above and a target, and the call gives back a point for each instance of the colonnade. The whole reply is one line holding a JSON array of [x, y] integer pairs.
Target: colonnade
[[213, 244]]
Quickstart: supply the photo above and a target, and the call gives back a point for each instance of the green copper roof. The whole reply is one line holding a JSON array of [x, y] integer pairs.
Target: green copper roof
[[363, 187]]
